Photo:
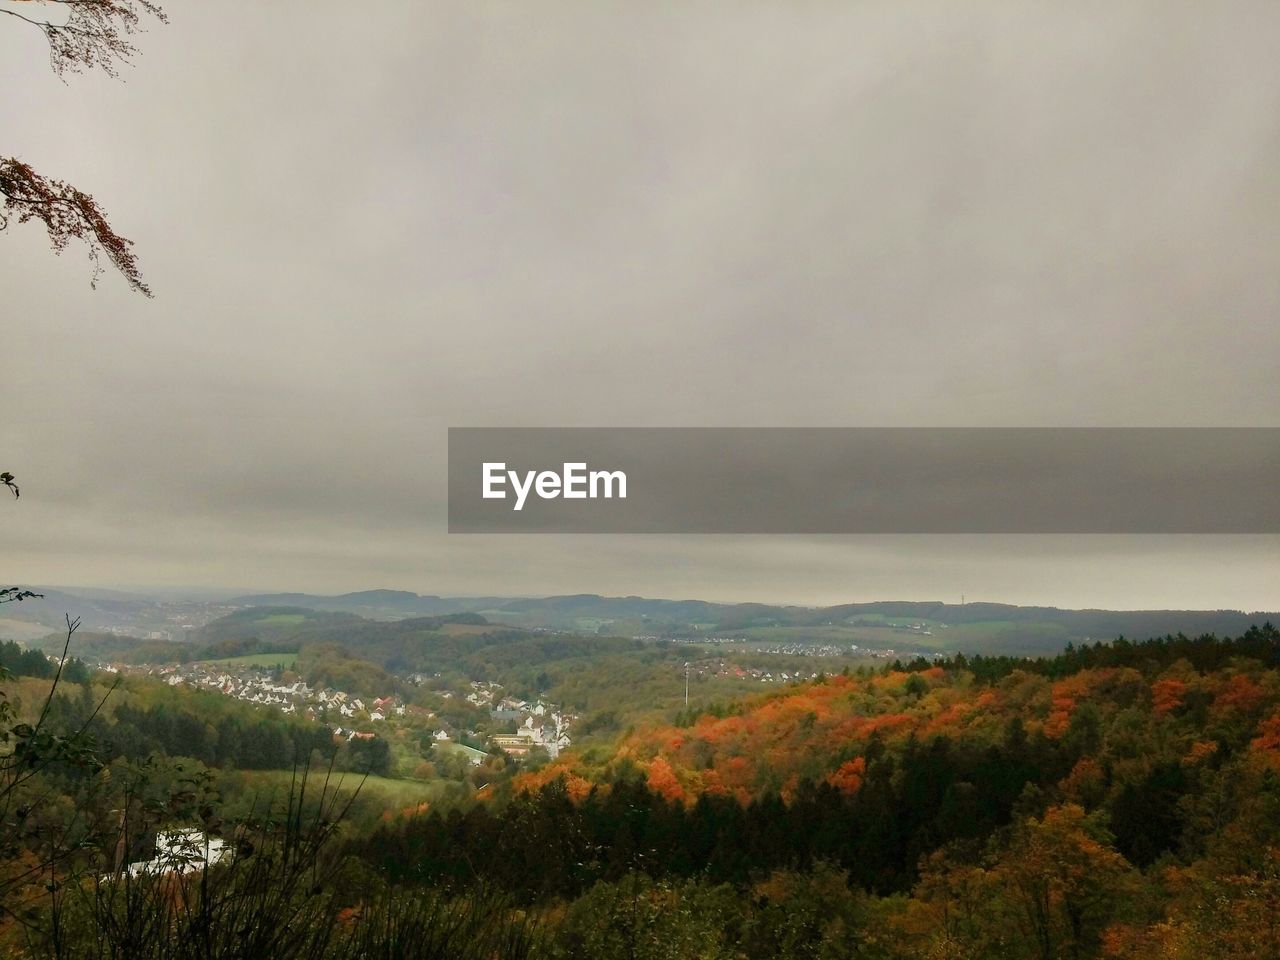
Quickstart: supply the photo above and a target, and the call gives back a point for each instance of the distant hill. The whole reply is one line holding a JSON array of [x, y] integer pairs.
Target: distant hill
[[917, 625], [271, 622], [559, 612], [50, 609], [371, 604], [907, 626]]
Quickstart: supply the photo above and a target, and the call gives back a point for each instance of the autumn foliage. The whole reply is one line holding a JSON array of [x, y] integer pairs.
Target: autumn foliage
[[67, 214], [822, 732], [1122, 802]]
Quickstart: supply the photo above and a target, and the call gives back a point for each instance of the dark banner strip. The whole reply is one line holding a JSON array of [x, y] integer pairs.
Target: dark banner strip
[[864, 480]]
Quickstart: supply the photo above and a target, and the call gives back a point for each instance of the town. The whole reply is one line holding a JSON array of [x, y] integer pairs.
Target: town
[[521, 729]]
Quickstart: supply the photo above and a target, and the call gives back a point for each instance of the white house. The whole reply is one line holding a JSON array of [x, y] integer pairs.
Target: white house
[[181, 851]]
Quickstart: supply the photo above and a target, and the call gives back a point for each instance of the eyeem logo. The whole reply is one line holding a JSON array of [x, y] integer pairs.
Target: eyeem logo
[[574, 482]]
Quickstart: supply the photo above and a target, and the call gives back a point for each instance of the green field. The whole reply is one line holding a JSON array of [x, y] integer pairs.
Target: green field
[[471, 753], [1007, 636], [465, 629], [393, 791], [875, 638], [282, 619], [888, 621], [285, 660], [21, 630], [990, 636]]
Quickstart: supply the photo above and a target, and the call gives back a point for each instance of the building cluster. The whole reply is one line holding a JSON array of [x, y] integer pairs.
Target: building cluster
[[538, 724], [816, 650], [922, 627], [483, 692], [733, 671], [253, 687], [298, 697]]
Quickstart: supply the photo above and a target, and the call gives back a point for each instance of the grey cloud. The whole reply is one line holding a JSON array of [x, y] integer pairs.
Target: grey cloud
[[364, 226]]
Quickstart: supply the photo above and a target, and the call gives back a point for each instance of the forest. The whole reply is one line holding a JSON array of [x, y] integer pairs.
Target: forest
[[1120, 799]]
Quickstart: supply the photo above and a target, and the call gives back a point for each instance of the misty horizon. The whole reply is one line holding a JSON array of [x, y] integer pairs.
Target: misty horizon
[[228, 594]]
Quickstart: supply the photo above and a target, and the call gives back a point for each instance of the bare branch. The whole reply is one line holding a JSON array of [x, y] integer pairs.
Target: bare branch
[[93, 35]]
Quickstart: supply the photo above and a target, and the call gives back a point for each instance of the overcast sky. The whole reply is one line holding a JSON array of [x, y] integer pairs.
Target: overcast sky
[[367, 223]]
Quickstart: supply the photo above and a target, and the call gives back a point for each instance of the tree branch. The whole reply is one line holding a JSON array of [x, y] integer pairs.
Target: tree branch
[[93, 35], [96, 34], [67, 214]]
